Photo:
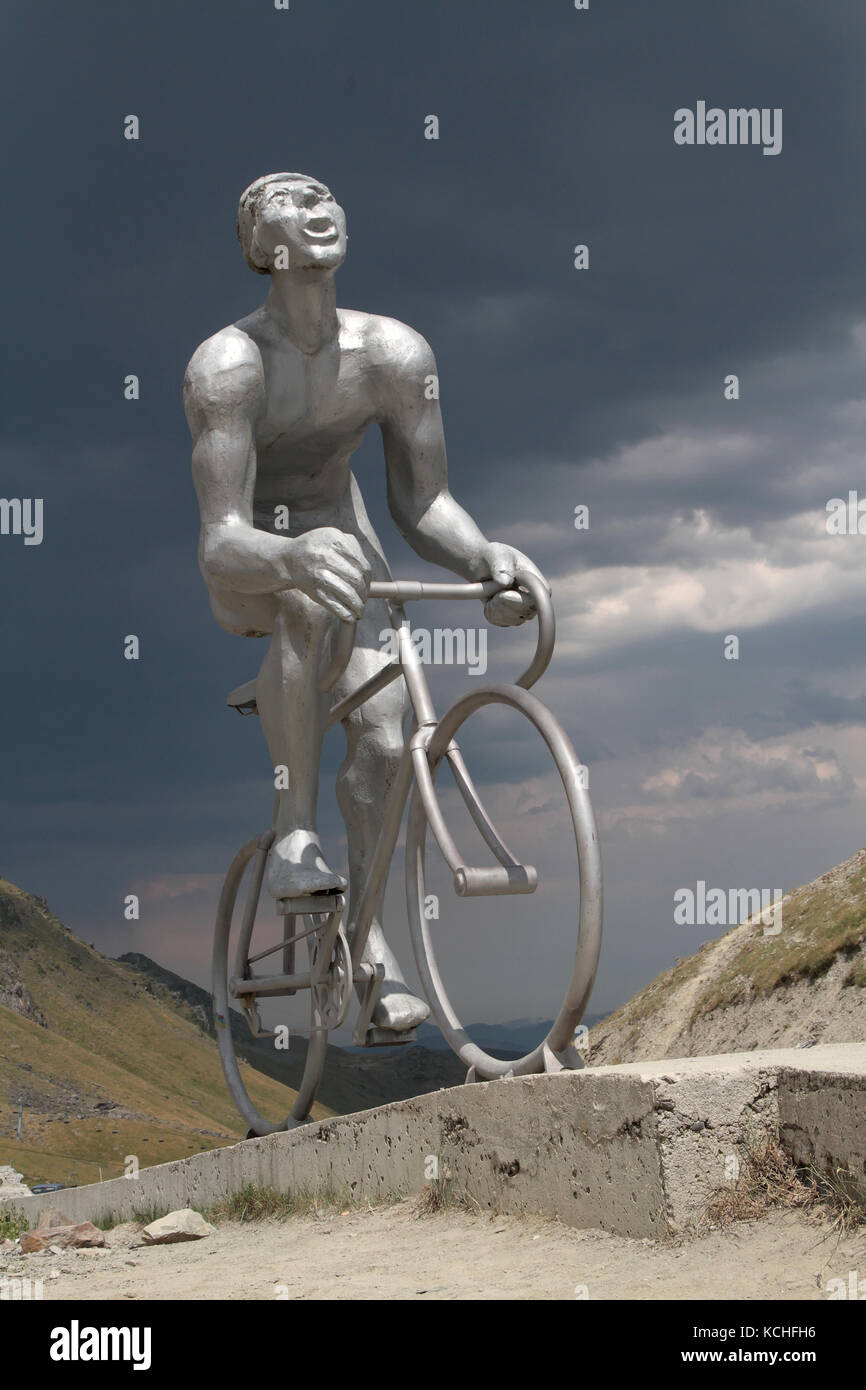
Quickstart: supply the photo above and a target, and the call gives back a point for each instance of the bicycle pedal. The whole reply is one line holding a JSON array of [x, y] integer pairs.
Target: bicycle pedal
[[254, 1023], [313, 902], [389, 1037], [489, 882]]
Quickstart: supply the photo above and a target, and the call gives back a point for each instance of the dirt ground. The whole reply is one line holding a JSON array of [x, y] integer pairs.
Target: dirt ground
[[392, 1253]]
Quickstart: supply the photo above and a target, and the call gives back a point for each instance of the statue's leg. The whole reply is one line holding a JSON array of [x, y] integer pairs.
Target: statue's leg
[[374, 735], [293, 713]]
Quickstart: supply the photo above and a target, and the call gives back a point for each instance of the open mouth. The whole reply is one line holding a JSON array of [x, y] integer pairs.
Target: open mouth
[[321, 229]]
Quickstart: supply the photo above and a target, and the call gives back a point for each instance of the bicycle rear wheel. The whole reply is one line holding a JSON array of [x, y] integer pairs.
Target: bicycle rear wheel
[[328, 980], [557, 1049]]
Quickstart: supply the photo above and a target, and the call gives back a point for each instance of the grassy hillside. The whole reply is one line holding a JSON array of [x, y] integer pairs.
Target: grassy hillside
[[106, 1065], [751, 989]]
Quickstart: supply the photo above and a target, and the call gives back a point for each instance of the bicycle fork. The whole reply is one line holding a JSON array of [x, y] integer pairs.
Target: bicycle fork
[[510, 877]]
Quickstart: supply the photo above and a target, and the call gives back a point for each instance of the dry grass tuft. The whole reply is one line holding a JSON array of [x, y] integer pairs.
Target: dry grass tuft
[[769, 1179], [433, 1198], [254, 1203], [439, 1195]]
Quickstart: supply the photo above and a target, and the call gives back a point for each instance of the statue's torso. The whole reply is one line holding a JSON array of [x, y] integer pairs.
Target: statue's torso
[[315, 413], [318, 408]]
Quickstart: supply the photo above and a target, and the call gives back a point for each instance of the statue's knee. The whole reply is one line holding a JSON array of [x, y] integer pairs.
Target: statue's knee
[[375, 752], [385, 745]]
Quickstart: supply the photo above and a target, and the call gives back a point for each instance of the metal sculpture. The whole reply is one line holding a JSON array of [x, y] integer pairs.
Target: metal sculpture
[[276, 404]]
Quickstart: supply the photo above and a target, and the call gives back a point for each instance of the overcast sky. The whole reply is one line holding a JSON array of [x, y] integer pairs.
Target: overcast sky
[[560, 387]]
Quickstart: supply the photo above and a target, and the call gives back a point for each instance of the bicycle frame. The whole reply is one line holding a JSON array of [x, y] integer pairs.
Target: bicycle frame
[[336, 964], [511, 877]]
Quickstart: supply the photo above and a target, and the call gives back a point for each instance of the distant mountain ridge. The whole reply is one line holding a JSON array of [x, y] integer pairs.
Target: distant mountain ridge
[[353, 1080], [512, 1039], [374, 1076]]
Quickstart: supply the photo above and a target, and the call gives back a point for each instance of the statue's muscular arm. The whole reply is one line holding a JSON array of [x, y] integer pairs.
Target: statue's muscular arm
[[427, 515], [224, 398]]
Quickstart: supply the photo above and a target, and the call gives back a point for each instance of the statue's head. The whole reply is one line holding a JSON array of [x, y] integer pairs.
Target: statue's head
[[292, 211]]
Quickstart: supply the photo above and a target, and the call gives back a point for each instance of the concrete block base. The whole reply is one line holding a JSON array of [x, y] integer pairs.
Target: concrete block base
[[638, 1150]]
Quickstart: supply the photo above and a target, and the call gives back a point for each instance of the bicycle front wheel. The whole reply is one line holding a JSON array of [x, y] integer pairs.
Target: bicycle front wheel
[[557, 1048]]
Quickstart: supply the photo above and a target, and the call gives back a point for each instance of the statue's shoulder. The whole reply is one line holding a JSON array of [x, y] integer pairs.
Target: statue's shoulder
[[389, 344], [228, 364]]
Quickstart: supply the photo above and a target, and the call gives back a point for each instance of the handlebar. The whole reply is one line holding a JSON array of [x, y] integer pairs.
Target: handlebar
[[405, 590]]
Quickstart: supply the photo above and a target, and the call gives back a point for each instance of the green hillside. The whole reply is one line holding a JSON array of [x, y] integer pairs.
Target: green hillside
[[106, 1066]]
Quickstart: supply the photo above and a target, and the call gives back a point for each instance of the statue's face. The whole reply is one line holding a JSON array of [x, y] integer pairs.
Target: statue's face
[[305, 217]]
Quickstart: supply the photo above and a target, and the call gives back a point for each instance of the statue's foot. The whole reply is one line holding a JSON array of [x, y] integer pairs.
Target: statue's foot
[[397, 1009], [297, 867]]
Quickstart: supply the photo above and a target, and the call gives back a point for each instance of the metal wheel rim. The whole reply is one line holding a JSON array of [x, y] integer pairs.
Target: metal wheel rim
[[577, 996], [317, 1042]]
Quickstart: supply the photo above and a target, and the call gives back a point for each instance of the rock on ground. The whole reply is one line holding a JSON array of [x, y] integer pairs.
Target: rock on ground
[[185, 1224], [81, 1236]]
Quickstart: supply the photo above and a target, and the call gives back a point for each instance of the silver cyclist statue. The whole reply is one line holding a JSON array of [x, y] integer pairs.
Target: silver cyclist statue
[[277, 403]]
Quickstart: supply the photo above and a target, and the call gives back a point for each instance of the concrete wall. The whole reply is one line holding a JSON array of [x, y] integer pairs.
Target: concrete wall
[[823, 1124], [637, 1149]]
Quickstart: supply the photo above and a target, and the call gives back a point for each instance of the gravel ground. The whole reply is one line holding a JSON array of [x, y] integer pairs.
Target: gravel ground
[[393, 1253]]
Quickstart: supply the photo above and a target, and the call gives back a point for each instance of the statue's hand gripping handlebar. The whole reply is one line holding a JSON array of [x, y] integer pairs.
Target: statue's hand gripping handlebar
[[403, 590]]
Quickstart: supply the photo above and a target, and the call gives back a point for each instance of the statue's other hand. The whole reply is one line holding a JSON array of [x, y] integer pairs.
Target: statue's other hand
[[511, 607], [330, 567]]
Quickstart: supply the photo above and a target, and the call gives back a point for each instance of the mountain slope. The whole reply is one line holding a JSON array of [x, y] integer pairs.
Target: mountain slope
[[510, 1039], [356, 1080], [749, 989], [104, 1068]]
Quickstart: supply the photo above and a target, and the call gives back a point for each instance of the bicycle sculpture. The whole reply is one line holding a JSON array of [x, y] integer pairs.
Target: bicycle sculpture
[[276, 405]]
